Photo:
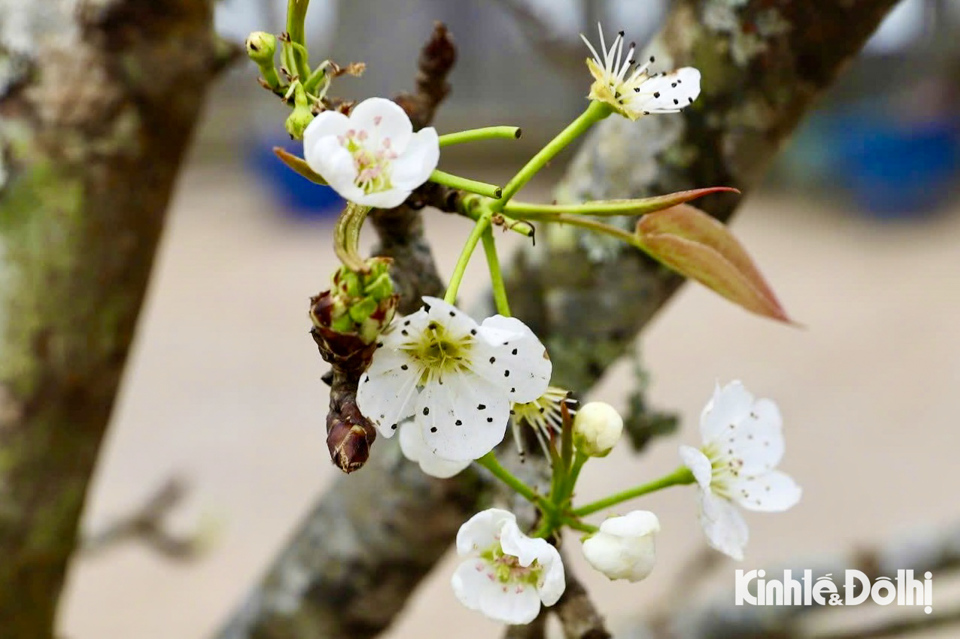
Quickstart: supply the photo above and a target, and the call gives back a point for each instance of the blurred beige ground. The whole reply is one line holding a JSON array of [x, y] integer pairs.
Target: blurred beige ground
[[225, 389]]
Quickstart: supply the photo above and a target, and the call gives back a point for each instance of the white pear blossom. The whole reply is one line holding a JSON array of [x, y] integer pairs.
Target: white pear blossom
[[508, 575], [597, 429], [625, 547], [544, 415], [372, 157], [742, 445], [455, 378], [631, 89]]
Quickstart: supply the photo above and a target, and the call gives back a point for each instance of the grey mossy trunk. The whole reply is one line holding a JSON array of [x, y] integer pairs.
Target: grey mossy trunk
[[93, 126]]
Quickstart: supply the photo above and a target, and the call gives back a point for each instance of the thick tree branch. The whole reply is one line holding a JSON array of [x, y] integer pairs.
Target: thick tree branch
[[92, 136], [764, 63]]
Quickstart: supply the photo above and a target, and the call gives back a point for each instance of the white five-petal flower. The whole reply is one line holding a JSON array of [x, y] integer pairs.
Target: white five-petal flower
[[625, 547], [742, 445], [508, 575], [372, 157], [631, 89], [455, 378]]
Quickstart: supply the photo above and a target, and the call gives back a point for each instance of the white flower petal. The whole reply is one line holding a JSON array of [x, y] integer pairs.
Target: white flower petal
[[511, 357], [723, 525], [463, 418], [636, 523], [455, 321], [757, 440], [403, 331], [387, 394], [667, 93], [387, 199], [418, 161], [382, 119], [524, 548], [553, 579], [328, 124], [625, 547], [415, 449], [698, 463], [728, 406], [482, 531], [770, 492], [335, 165], [469, 581], [510, 603]]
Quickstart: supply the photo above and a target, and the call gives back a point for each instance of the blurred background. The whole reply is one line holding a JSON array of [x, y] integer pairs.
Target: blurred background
[[857, 228]]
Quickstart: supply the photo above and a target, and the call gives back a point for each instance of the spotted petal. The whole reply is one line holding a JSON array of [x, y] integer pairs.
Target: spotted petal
[[728, 406], [512, 358], [415, 449], [667, 93], [770, 492], [463, 418], [387, 393]]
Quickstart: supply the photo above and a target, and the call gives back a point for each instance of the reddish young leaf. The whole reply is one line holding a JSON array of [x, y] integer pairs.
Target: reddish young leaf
[[700, 247]]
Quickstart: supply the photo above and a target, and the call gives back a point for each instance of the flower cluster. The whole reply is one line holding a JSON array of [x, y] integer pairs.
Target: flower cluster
[[450, 386]]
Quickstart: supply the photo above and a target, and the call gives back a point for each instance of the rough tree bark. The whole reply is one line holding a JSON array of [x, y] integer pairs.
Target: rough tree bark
[[93, 125], [361, 550]]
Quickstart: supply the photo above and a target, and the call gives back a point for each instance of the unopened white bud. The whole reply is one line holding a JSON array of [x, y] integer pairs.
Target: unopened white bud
[[597, 429], [625, 547]]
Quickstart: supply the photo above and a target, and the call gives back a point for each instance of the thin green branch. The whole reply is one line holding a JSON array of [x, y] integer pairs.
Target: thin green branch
[[496, 276], [485, 133], [593, 114], [679, 477], [466, 184]]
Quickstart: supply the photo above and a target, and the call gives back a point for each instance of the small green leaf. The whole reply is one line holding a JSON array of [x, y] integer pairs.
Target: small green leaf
[[299, 165], [700, 247]]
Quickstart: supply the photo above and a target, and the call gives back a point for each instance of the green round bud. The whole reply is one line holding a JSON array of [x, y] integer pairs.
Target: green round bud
[[261, 47]]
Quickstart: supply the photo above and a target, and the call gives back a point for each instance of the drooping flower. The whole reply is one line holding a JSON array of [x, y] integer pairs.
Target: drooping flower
[[508, 575], [456, 378], [742, 445], [631, 89], [372, 157], [544, 415], [597, 429], [625, 547]]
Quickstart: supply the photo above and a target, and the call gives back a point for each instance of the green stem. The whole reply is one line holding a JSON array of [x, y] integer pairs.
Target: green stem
[[489, 461], [679, 477], [496, 276], [475, 207], [578, 461], [296, 15], [486, 133], [465, 184], [482, 225], [593, 114]]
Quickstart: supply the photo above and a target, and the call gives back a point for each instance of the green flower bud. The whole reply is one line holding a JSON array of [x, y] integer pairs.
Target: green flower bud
[[301, 116], [261, 47]]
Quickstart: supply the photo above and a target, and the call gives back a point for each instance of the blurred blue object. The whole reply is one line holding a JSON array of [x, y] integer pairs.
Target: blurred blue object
[[296, 193], [897, 168]]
